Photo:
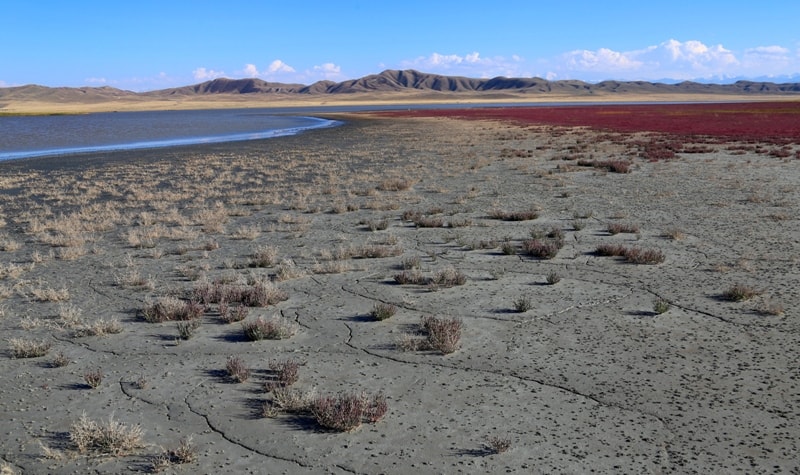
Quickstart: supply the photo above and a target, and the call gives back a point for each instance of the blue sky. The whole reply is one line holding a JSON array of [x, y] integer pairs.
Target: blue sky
[[145, 45]]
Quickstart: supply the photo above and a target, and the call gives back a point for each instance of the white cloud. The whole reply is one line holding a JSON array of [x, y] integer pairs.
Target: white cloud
[[328, 71], [279, 66], [96, 80], [3, 84], [671, 59], [203, 74], [470, 64], [250, 70]]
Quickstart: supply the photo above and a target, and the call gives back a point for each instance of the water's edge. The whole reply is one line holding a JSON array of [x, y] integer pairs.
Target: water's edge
[[319, 123]]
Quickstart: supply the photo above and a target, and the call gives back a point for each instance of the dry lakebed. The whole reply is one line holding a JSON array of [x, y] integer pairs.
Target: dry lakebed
[[405, 295]]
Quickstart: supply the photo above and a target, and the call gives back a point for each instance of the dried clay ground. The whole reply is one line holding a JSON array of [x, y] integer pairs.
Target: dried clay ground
[[120, 273]]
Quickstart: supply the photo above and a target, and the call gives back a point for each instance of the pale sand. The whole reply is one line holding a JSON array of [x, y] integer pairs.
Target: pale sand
[[227, 101], [589, 379]]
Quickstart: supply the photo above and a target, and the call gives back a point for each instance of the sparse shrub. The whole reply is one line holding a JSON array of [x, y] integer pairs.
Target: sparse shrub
[[542, 249], [618, 228], [498, 445], [291, 399], [60, 360], [23, 348], [232, 313], [739, 293], [429, 221], [345, 412], [613, 250], [553, 277], [578, 224], [113, 438], [410, 263], [379, 225], [187, 329], [525, 215], [237, 369], [286, 373], [93, 377], [443, 334], [395, 184], [448, 277], [264, 256], [508, 248], [660, 306], [382, 311], [185, 452], [413, 276], [675, 234], [770, 308], [276, 328], [287, 270], [99, 327], [171, 308], [263, 294], [523, 304], [636, 255]]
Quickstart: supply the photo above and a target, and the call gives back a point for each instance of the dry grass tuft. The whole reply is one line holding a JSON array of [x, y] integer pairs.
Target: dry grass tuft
[[24, 348], [276, 328], [112, 437]]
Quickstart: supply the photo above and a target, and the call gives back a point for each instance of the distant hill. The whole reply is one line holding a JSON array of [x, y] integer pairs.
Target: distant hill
[[396, 81], [410, 80]]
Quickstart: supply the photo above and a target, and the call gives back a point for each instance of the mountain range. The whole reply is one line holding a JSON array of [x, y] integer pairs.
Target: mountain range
[[399, 81]]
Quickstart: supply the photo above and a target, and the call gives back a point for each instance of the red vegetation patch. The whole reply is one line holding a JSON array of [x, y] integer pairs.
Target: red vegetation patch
[[762, 121]]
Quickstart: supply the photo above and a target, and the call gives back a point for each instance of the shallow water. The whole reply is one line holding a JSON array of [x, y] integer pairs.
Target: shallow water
[[38, 136]]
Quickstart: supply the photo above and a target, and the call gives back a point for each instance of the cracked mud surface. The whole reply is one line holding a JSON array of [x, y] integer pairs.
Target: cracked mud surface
[[589, 379]]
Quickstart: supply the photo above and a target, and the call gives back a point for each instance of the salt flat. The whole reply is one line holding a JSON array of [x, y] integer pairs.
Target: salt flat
[[589, 378]]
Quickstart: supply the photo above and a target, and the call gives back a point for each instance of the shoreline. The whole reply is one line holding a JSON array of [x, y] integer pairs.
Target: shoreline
[[244, 101]]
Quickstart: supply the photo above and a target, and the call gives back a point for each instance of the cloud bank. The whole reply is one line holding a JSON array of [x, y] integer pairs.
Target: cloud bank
[[671, 59], [667, 61]]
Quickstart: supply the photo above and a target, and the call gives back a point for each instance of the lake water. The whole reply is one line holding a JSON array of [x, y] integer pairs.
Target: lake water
[[38, 136]]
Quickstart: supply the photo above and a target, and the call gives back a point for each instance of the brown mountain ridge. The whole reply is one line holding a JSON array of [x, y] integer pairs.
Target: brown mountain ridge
[[391, 83]]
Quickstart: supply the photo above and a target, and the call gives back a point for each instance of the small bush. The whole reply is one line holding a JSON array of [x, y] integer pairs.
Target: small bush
[[264, 256], [22, 348], [286, 372], [382, 311], [448, 277], [276, 328], [59, 361], [740, 293], [618, 228], [542, 249], [186, 329], [291, 399], [498, 445], [523, 304], [644, 256], [660, 306], [553, 278], [613, 250], [237, 369], [525, 215], [232, 313], [443, 334], [345, 412], [93, 377], [185, 452], [171, 308], [112, 437], [413, 276], [508, 248]]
